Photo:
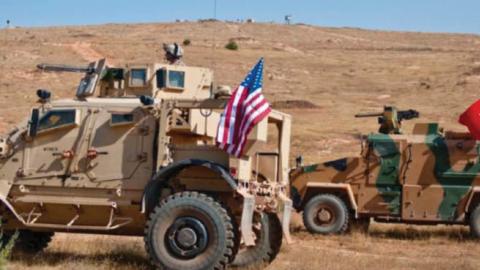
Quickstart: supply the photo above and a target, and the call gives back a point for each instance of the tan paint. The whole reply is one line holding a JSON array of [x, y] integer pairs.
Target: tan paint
[[91, 174]]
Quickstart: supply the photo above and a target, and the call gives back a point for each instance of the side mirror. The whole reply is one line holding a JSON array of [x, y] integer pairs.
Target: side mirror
[[33, 124]]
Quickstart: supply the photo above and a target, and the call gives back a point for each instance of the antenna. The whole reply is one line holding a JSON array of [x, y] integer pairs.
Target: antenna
[[215, 9], [214, 45]]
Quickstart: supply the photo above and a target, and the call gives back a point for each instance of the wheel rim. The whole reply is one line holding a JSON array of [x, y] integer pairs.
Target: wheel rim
[[325, 215], [187, 237]]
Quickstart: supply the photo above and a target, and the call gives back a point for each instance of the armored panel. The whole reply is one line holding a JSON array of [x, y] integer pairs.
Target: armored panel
[[182, 82], [204, 152], [204, 122], [160, 81]]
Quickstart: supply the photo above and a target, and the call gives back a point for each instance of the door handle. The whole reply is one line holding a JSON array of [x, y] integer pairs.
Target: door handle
[[67, 154], [92, 153]]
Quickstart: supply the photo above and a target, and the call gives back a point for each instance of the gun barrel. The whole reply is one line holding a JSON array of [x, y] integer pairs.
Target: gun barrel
[[63, 68], [360, 115]]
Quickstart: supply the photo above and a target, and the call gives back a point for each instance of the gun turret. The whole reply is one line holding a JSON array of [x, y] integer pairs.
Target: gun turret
[[390, 119], [87, 85]]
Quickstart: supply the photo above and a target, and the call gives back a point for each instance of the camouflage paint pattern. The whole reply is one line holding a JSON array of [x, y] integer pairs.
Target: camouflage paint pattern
[[387, 180], [455, 184], [423, 177]]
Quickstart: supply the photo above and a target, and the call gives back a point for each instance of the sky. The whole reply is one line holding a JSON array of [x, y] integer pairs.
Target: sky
[[460, 16]]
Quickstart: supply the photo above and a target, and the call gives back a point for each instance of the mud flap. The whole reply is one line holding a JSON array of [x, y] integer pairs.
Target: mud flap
[[285, 215], [246, 223]]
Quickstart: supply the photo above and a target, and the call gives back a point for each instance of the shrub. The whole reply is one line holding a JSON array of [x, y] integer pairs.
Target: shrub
[[231, 45], [187, 42], [6, 249]]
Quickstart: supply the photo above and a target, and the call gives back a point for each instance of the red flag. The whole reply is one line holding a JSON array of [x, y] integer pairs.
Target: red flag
[[471, 119]]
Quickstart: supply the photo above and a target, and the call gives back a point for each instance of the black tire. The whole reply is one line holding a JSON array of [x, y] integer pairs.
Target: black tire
[[475, 222], [326, 214], [28, 242], [268, 242], [190, 230]]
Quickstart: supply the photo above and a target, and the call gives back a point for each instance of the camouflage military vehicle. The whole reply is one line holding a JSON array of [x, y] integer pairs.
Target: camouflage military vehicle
[[134, 154], [430, 176]]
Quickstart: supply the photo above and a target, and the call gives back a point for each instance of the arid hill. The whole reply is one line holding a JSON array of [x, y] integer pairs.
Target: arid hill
[[322, 76], [336, 72]]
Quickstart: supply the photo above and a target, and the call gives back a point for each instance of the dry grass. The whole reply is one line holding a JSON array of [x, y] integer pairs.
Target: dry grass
[[339, 71], [77, 251], [384, 247]]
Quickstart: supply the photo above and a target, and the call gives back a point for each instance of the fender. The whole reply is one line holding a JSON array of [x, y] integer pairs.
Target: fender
[[327, 187], [150, 194]]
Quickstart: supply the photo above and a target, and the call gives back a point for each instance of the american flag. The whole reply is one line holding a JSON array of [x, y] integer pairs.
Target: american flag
[[246, 108]]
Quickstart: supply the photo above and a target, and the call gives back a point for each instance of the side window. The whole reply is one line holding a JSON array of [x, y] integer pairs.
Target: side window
[[115, 73], [121, 119], [138, 77], [57, 119], [176, 79], [170, 79]]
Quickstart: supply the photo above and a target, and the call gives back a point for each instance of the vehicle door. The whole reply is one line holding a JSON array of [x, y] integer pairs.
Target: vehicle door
[[51, 145], [381, 193], [118, 153]]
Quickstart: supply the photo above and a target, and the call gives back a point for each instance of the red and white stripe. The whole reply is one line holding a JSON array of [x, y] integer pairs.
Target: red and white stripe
[[242, 113]]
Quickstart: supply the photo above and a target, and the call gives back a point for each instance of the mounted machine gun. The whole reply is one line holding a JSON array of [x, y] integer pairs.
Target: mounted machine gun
[[391, 118]]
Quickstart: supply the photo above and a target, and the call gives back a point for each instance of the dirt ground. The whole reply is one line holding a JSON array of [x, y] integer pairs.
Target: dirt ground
[[396, 247], [322, 76]]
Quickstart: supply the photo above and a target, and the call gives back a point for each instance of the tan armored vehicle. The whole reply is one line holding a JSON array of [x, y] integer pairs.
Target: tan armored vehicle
[[430, 176], [134, 154]]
